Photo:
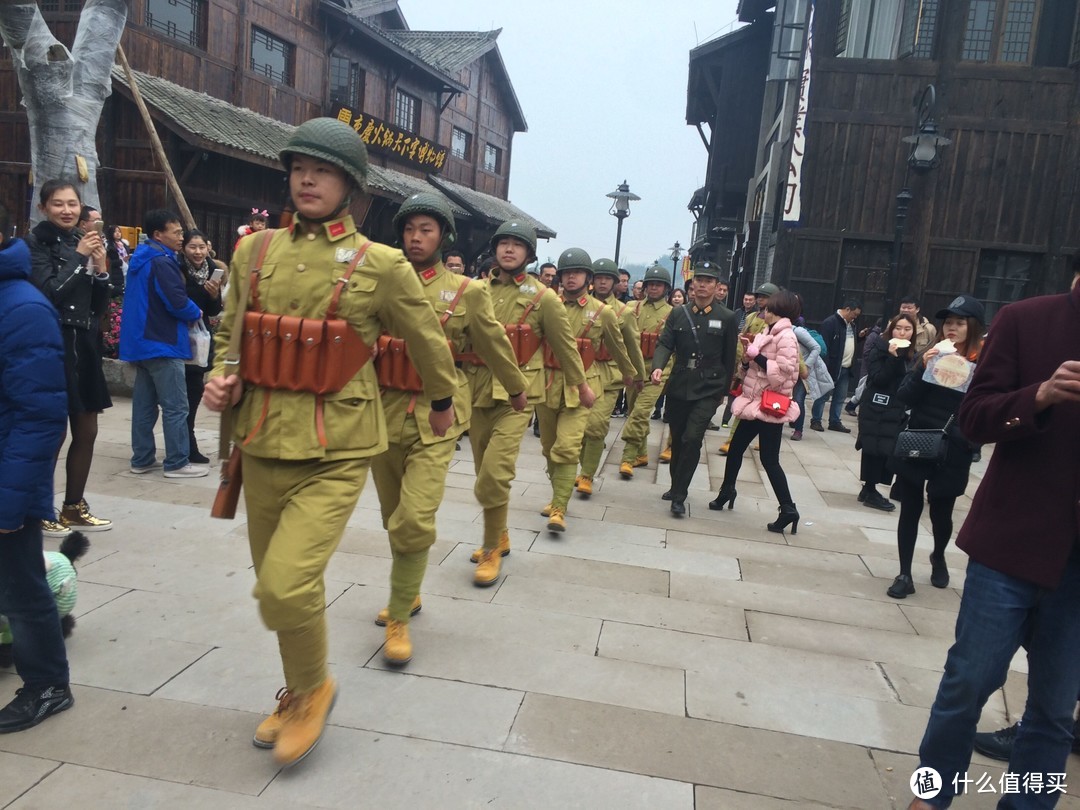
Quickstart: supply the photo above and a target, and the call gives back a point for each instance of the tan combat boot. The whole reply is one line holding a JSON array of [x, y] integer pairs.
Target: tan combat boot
[[626, 470], [546, 510], [556, 520], [665, 455], [487, 570], [267, 732], [641, 461], [503, 548], [384, 614], [304, 723], [398, 648], [584, 485]]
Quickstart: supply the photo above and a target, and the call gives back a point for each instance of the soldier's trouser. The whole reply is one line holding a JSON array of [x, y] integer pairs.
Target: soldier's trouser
[[596, 430], [495, 434], [561, 433], [410, 478], [297, 511], [636, 431], [688, 420]]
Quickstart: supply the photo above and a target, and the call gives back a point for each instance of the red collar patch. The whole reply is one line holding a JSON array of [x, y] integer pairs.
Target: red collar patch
[[429, 274], [520, 277], [336, 229], [583, 300]]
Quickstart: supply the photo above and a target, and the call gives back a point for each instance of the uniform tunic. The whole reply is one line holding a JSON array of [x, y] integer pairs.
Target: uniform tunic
[[649, 316]]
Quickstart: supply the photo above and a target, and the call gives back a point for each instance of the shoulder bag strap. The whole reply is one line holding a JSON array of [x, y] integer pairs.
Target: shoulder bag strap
[[532, 305], [693, 330], [591, 319], [453, 304], [331, 311]]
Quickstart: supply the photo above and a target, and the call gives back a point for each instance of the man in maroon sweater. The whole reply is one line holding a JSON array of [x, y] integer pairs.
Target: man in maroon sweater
[[1023, 578]]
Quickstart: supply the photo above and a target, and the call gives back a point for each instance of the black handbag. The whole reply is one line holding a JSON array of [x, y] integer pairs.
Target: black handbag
[[923, 445]]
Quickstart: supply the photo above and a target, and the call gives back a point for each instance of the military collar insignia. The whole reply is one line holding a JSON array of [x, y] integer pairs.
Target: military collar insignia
[[519, 277], [697, 309], [583, 300], [428, 275], [339, 228]]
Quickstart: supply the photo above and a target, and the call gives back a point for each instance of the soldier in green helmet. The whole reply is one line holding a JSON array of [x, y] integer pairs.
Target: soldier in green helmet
[[650, 316], [306, 456], [411, 475], [612, 372], [562, 416], [701, 336], [531, 313]]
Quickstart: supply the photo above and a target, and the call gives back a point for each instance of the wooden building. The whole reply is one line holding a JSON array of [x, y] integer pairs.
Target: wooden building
[[998, 215], [226, 82]]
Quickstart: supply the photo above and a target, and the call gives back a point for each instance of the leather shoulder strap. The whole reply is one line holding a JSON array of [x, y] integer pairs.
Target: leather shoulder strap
[[532, 305], [590, 319], [453, 304], [331, 311], [253, 272]]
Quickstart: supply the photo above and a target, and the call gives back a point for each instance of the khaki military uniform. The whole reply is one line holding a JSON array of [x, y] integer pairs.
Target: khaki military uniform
[[562, 417], [300, 488], [650, 317], [497, 429], [624, 348], [411, 475]]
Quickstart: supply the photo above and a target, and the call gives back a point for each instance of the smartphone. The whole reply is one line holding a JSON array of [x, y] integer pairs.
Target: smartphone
[[217, 275], [98, 226]]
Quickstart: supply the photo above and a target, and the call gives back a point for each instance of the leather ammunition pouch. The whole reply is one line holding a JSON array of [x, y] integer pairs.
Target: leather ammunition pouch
[[523, 340], [648, 344], [300, 354], [584, 347]]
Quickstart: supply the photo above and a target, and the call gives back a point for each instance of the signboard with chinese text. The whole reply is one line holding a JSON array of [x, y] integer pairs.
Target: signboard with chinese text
[[793, 188], [382, 137]]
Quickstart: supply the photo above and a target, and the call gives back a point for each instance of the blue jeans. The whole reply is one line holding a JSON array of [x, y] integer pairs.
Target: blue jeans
[[27, 601], [799, 396], [161, 382], [838, 394], [998, 613]]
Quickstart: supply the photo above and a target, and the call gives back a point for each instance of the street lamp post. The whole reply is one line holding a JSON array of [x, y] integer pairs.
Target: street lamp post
[[925, 143], [620, 209], [676, 254]]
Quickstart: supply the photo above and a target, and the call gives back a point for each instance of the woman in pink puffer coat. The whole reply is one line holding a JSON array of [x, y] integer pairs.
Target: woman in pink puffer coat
[[771, 363]]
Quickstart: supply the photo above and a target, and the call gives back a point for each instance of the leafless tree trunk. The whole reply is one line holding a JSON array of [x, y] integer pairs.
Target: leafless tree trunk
[[64, 91]]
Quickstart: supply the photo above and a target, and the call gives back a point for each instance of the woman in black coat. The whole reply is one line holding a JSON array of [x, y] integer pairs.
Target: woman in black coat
[[934, 407], [198, 270], [71, 269], [882, 413]]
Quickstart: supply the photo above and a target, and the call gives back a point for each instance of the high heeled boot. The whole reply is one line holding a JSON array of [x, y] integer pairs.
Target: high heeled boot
[[789, 516], [726, 495]]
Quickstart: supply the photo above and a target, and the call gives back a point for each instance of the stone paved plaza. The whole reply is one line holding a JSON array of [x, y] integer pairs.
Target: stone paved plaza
[[638, 661]]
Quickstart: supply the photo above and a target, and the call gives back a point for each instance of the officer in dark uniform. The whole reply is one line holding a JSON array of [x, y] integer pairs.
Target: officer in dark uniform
[[702, 335]]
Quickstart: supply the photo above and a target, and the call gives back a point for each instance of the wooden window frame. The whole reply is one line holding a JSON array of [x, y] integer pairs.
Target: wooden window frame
[[495, 150], [200, 10], [468, 143], [412, 125], [288, 77], [997, 35]]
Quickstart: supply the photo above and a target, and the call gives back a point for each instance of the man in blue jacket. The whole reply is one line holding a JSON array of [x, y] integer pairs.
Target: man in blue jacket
[[154, 336], [33, 416]]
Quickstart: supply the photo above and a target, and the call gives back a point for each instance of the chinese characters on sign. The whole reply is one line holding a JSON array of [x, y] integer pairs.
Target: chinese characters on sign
[[793, 186], [382, 137]]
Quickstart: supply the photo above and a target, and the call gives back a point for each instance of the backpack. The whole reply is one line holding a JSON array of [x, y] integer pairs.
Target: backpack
[[816, 335]]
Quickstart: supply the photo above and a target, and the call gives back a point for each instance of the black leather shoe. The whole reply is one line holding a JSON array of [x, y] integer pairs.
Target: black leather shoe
[[31, 706], [939, 575], [874, 500], [816, 425], [997, 744], [839, 428], [666, 496], [678, 508], [901, 588]]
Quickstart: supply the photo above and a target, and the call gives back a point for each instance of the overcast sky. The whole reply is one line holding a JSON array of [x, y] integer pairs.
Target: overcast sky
[[603, 87]]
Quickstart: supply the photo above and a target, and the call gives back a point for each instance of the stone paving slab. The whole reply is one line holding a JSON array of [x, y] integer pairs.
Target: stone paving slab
[[708, 798], [697, 751], [19, 774]]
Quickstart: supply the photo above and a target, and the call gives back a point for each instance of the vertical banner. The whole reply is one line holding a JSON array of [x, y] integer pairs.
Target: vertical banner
[[793, 191]]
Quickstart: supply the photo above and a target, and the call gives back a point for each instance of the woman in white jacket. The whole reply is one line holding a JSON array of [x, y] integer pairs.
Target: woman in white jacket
[[818, 382]]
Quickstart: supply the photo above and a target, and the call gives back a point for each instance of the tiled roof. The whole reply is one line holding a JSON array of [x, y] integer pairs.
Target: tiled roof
[[449, 51], [401, 185], [491, 208]]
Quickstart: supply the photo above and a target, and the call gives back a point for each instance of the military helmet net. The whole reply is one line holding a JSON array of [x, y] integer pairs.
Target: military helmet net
[[657, 273], [605, 267], [526, 234], [330, 140], [574, 259], [433, 205]]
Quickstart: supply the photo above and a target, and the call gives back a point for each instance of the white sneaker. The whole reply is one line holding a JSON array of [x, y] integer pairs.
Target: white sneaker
[[156, 465], [188, 471]]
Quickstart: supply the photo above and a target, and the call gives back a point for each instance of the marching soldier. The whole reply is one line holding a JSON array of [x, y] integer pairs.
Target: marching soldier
[[650, 315], [531, 313], [411, 475], [701, 335], [612, 372], [306, 451], [563, 415]]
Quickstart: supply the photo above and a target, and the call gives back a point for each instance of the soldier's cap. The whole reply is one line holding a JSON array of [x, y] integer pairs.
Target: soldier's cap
[[966, 306], [767, 289]]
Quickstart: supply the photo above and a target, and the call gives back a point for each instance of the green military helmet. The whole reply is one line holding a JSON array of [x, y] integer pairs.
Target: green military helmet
[[605, 267], [657, 273], [575, 259], [330, 140], [526, 234], [707, 269], [434, 206]]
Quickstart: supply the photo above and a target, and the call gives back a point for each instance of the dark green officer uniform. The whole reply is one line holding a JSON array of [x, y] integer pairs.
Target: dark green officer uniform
[[699, 380]]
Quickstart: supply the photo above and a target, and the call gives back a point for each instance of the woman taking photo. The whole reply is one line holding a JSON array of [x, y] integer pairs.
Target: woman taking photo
[[72, 270], [933, 407], [771, 366], [206, 293], [881, 413]]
